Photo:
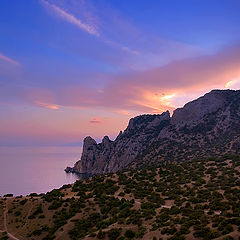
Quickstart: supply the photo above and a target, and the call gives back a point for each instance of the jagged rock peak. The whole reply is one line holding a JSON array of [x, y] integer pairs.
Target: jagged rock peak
[[206, 126], [106, 141], [119, 136], [147, 119], [88, 141]]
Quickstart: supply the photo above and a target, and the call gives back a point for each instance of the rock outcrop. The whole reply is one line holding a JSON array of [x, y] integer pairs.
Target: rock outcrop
[[207, 126]]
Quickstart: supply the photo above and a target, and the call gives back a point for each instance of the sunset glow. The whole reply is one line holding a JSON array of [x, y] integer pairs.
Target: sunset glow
[[74, 68], [228, 84], [233, 83]]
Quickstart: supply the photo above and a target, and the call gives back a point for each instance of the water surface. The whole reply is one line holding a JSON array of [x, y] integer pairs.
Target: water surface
[[24, 170]]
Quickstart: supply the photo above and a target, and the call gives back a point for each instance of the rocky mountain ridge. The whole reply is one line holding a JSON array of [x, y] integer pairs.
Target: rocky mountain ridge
[[209, 125]]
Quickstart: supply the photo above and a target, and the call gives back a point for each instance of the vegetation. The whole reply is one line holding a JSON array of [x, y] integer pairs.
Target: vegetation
[[198, 199]]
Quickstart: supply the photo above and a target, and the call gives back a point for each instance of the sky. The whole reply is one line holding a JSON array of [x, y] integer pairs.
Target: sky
[[73, 68]]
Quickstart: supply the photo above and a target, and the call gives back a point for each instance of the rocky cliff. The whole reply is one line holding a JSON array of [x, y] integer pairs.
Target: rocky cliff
[[207, 126]]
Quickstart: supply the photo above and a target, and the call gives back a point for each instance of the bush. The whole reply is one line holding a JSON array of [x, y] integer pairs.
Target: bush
[[8, 195], [36, 212], [228, 238], [33, 195], [22, 202], [55, 205], [17, 213], [101, 234], [114, 233], [129, 234]]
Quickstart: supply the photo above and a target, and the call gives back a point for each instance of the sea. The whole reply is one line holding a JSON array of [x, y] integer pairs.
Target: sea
[[25, 170]]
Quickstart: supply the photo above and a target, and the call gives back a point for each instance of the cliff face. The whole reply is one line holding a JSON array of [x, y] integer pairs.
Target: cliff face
[[207, 126], [110, 156]]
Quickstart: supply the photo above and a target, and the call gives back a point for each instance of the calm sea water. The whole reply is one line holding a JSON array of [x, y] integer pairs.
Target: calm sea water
[[24, 170]]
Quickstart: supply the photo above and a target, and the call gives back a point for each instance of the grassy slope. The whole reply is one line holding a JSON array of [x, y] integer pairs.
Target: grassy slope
[[189, 200]]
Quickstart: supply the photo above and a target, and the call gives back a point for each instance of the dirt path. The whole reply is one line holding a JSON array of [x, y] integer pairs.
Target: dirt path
[[5, 213]]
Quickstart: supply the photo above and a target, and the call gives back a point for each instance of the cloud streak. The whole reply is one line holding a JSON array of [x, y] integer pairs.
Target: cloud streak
[[72, 19], [117, 32], [95, 120], [89, 25], [47, 105], [9, 60]]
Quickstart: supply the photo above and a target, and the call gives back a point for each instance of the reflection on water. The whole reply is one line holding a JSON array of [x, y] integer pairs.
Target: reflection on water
[[24, 170]]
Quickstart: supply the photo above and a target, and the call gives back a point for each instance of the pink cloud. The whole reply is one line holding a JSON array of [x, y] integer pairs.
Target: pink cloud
[[150, 91], [9, 60], [123, 112], [149, 88], [95, 120], [47, 105]]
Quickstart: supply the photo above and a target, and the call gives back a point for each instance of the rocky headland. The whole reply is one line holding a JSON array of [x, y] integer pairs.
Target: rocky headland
[[207, 126]]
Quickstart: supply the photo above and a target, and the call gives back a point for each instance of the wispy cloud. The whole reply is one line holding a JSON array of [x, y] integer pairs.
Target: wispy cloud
[[123, 112], [72, 19], [95, 120], [47, 105], [89, 25], [9, 60]]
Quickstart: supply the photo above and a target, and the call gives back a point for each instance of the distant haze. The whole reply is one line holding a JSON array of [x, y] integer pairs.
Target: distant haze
[[35, 169]]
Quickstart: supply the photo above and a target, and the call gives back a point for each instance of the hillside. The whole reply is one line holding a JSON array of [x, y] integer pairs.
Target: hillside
[[207, 126], [197, 199]]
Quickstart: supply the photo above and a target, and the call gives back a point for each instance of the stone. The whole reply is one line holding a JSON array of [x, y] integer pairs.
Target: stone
[[209, 125]]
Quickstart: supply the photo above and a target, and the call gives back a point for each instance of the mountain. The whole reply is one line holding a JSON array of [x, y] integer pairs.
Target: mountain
[[207, 126]]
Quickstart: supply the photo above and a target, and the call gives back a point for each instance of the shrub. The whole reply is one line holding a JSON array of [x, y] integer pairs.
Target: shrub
[[101, 234], [129, 234], [114, 233], [228, 238], [8, 195], [17, 213], [22, 202]]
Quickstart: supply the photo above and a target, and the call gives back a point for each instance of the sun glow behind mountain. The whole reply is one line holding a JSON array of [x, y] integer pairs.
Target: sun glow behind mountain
[[74, 68]]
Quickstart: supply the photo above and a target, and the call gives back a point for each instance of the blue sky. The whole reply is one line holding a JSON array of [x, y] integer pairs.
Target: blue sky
[[97, 63]]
